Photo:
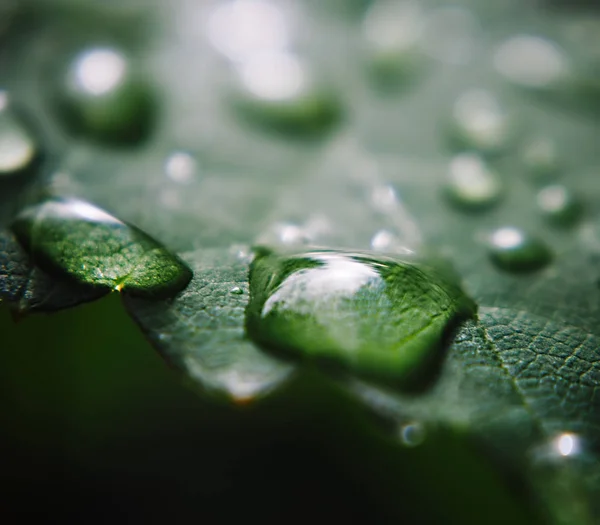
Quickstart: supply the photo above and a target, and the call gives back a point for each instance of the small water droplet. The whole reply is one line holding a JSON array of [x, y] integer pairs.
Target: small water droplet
[[412, 434], [479, 123], [240, 29], [559, 205], [278, 90], [180, 167], [531, 61], [471, 184], [450, 34], [19, 149], [514, 250], [392, 31], [541, 159], [102, 96], [386, 241], [377, 316], [236, 290]]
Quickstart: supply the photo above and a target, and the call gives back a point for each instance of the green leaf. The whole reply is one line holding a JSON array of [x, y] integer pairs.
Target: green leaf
[[517, 380], [203, 333]]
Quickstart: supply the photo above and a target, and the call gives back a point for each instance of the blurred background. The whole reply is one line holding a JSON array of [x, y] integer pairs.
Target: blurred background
[[94, 425]]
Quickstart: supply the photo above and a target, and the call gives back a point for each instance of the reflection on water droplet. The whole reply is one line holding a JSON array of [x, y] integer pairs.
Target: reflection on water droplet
[[412, 434], [240, 29], [99, 71], [378, 316], [531, 61], [274, 76], [559, 205], [471, 184], [514, 250], [384, 198], [103, 97], [540, 157], [19, 149], [392, 31], [450, 34], [567, 444], [277, 89], [236, 290], [180, 167], [479, 123]]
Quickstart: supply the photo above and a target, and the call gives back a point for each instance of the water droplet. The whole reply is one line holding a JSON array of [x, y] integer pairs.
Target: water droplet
[[76, 240], [103, 97], [541, 159], [559, 205], [180, 167], [471, 184], [531, 61], [392, 31], [450, 34], [479, 123], [236, 290], [277, 90], [514, 250], [386, 241], [412, 434], [240, 29], [19, 149], [377, 316]]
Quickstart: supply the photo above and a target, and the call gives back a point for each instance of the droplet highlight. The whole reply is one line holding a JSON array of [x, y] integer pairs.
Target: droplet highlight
[[19, 148], [73, 239], [380, 317], [479, 123], [471, 185], [559, 206], [514, 250], [103, 97], [277, 90]]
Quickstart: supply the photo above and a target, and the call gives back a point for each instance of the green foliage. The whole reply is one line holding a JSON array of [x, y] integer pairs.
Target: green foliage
[[369, 171]]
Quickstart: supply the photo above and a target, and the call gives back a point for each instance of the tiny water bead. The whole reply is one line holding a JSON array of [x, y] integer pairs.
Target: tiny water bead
[[103, 97], [19, 149], [479, 123], [278, 91], [377, 316], [236, 290], [74, 239], [559, 206], [412, 434], [181, 167], [514, 250], [471, 184]]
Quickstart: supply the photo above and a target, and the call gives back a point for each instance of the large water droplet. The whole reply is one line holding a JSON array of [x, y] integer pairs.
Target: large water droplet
[[277, 90], [376, 316], [19, 149], [514, 250], [103, 97], [74, 239], [479, 123], [559, 205], [471, 184]]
